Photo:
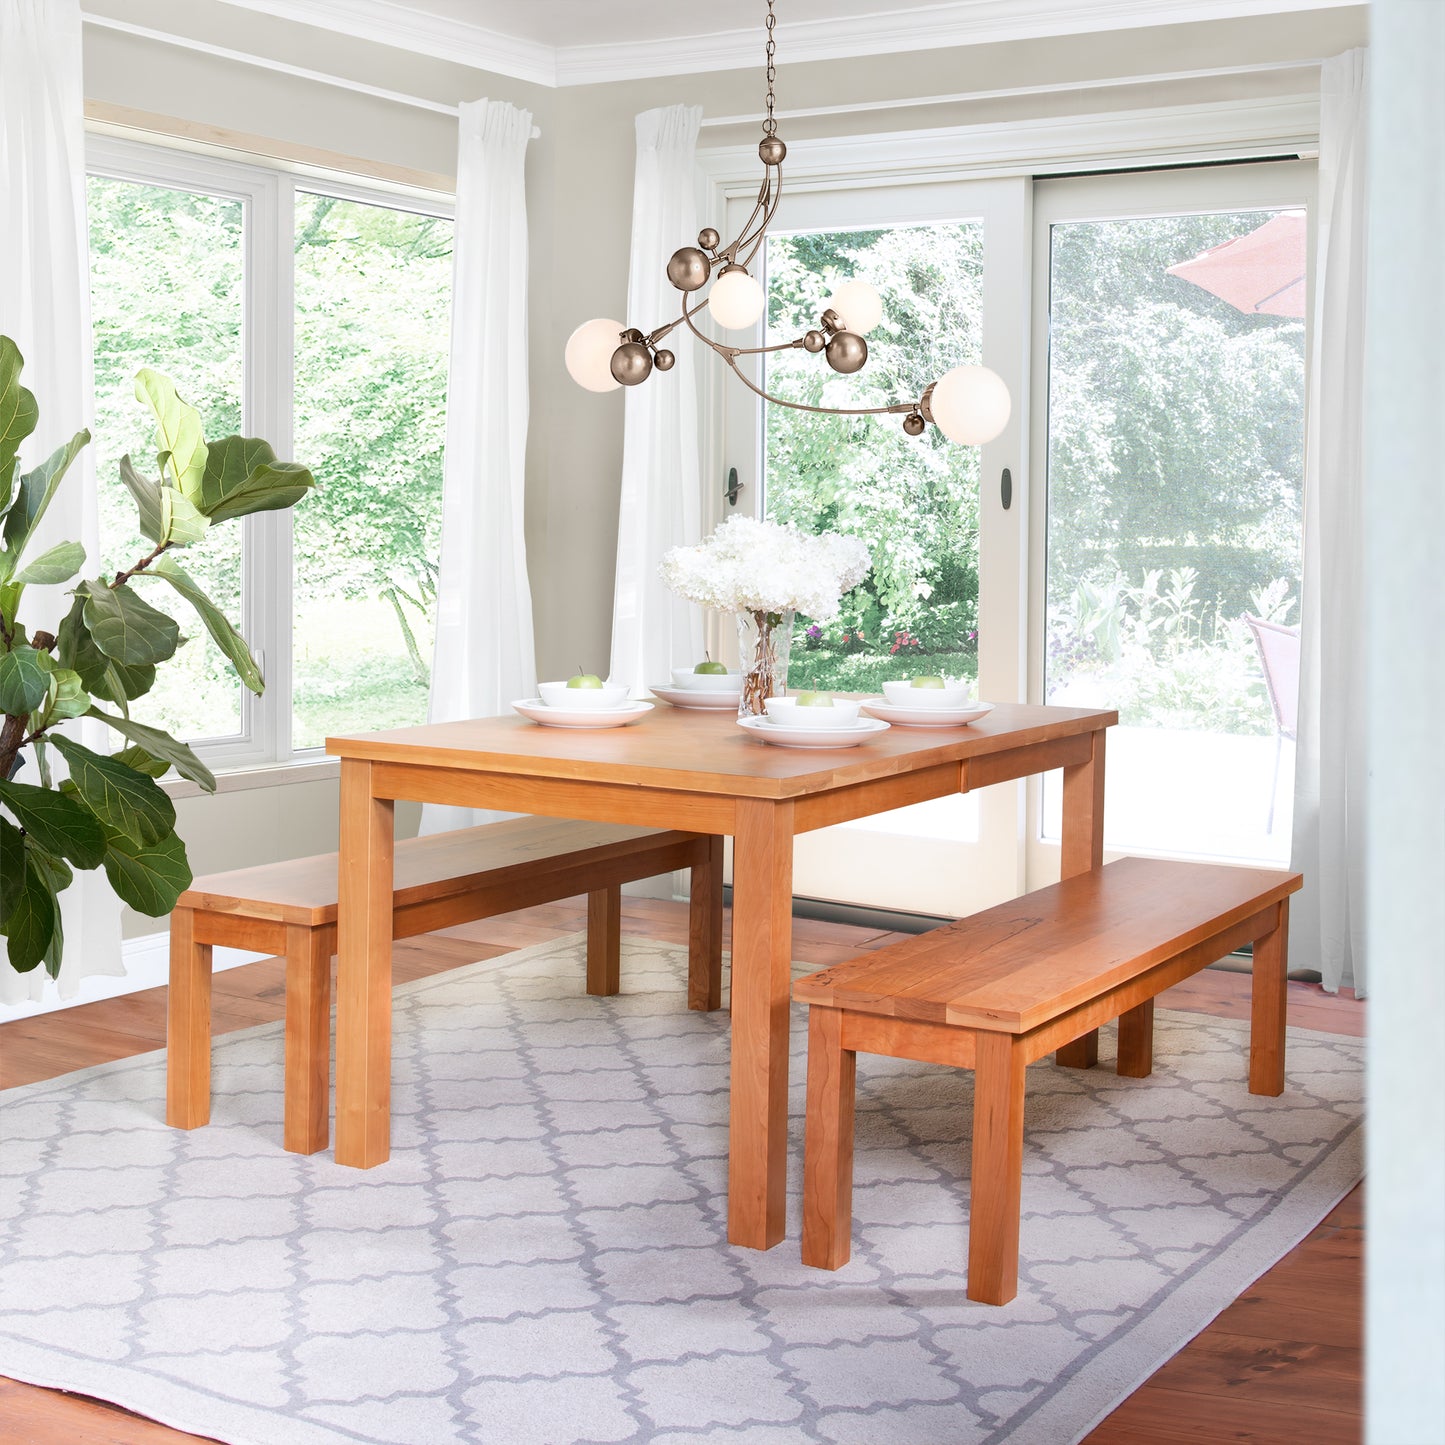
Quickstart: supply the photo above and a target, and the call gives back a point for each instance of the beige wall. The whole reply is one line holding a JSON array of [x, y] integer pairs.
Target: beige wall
[[579, 180]]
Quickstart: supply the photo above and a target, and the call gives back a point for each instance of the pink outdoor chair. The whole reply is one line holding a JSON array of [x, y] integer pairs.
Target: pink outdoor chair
[[1279, 655]]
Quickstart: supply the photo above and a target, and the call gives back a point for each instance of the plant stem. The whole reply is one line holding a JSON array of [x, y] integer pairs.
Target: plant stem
[[121, 578]]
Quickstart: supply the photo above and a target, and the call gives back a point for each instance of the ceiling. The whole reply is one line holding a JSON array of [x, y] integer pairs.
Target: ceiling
[[577, 42]]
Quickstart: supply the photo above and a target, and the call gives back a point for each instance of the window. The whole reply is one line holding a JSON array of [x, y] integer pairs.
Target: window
[[317, 316]]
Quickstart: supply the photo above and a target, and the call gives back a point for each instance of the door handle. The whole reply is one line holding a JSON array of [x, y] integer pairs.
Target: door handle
[[1006, 489], [733, 488]]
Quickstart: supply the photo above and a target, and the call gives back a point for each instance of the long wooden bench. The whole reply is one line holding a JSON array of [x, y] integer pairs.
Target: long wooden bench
[[1002, 988], [441, 881]]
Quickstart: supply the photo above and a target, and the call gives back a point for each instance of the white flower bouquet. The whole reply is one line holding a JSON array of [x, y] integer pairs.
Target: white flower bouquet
[[751, 566], [763, 573]]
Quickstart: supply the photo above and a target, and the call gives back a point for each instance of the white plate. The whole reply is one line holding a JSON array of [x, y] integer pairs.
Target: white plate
[[850, 737], [699, 697], [566, 717], [928, 717]]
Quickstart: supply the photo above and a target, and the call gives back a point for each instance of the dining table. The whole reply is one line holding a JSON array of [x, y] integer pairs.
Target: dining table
[[697, 771]]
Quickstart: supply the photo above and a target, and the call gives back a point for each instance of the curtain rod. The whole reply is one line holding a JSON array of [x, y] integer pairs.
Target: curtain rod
[[921, 101], [244, 57]]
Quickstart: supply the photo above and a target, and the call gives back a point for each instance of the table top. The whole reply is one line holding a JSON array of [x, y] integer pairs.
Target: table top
[[706, 752]]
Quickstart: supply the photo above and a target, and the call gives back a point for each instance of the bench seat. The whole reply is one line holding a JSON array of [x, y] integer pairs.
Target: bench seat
[[998, 990], [442, 880]]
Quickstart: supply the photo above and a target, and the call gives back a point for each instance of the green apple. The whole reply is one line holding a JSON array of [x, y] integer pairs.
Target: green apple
[[929, 682], [710, 668], [585, 679], [815, 699]]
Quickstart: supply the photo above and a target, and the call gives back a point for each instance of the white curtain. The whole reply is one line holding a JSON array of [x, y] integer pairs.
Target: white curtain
[[484, 656], [1327, 919], [652, 629], [45, 310]]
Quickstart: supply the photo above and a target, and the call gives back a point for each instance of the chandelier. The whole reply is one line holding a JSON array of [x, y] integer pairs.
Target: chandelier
[[969, 405]]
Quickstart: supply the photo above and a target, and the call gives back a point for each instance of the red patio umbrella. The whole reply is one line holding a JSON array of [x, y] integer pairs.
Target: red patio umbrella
[[1261, 273]]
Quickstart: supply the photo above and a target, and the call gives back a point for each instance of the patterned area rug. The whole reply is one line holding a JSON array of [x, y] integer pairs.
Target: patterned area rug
[[543, 1260]]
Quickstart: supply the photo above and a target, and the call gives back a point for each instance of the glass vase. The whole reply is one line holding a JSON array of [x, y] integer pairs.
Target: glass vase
[[764, 639]]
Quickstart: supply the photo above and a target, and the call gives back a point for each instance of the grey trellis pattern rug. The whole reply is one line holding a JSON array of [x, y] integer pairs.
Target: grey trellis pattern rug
[[543, 1260]]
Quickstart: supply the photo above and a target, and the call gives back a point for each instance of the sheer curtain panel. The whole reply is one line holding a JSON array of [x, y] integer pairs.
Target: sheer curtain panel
[[45, 309], [652, 629], [1327, 920], [484, 656]]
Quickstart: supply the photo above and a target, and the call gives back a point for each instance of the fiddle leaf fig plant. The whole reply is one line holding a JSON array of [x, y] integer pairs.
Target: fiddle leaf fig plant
[[108, 811]]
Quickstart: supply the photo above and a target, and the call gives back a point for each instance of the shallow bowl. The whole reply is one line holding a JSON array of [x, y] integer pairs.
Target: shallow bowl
[[904, 694], [786, 712], [707, 681], [558, 694]]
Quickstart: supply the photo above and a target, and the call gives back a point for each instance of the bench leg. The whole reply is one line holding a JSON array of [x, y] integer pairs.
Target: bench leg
[[1136, 1041], [1082, 1053], [308, 1037], [828, 1143], [705, 930], [1268, 995], [188, 1026], [998, 1163], [604, 942]]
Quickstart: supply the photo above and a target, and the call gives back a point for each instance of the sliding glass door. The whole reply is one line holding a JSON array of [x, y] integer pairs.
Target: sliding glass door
[[943, 594], [1169, 425]]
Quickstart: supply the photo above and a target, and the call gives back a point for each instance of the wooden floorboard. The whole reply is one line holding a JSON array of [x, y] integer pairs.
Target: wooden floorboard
[[1282, 1363]]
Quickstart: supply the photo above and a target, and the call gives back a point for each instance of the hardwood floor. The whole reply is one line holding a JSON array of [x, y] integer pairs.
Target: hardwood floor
[[1282, 1363]]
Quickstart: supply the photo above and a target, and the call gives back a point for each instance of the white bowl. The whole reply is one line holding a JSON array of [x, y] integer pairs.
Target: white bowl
[[707, 681], [558, 694], [788, 713], [904, 694]]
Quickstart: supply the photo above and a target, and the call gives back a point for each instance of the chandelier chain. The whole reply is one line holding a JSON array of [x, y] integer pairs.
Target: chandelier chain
[[770, 126]]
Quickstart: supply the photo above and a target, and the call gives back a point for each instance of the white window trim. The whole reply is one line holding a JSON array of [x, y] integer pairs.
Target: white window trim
[[261, 754]]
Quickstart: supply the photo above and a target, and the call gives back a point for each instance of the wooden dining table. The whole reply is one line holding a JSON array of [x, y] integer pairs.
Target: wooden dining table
[[691, 770]]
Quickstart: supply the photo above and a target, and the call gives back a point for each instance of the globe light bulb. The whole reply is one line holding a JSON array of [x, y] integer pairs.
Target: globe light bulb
[[736, 300], [858, 305], [970, 405], [589, 353]]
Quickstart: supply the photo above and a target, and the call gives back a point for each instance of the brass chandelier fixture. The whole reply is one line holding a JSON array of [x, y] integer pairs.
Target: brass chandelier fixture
[[969, 404]]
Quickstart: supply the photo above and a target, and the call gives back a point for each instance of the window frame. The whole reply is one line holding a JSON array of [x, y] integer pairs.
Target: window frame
[[268, 197]]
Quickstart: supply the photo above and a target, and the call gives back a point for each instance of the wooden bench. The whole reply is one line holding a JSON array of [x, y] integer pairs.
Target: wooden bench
[[996, 991], [442, 880]]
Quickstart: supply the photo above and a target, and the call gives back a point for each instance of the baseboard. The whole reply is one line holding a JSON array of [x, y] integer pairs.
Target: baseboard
[[146, 961]]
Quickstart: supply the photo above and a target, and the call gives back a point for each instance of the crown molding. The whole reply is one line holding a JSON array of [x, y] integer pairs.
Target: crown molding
[[886, 31], [405, 28], [922, 27]]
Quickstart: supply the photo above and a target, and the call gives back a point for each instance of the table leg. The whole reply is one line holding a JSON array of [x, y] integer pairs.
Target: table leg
[[1083, 849], [762, 941], [363, 971], [1268, 1003]]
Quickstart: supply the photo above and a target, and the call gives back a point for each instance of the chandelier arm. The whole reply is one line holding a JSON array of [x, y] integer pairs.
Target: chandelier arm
[[760, 206], [671, 326], [756, 240], [897, 408]]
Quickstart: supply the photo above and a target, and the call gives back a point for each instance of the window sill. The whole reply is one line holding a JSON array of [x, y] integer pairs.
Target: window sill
[[272, 775]]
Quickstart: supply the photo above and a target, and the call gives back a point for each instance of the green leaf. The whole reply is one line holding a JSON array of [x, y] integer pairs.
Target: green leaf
[[99, 674], [178, 430], [147, 496], [51, 568], [24, 681], [127, 628], [18, 412], [225, 636], [243, 476], [160, 745], [181, 523], [32, 921], [68, 697], [12, 867], [57, 823], [124, 800], [140, 761], [36, 490], [148, 876], [55, 871]]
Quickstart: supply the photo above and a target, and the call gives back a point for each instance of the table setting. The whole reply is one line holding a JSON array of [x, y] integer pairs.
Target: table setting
[[583, 700]]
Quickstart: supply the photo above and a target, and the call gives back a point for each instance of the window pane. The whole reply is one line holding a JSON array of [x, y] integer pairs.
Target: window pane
[[166, 292], [1176, 459], [373, 301], [913, 500]]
